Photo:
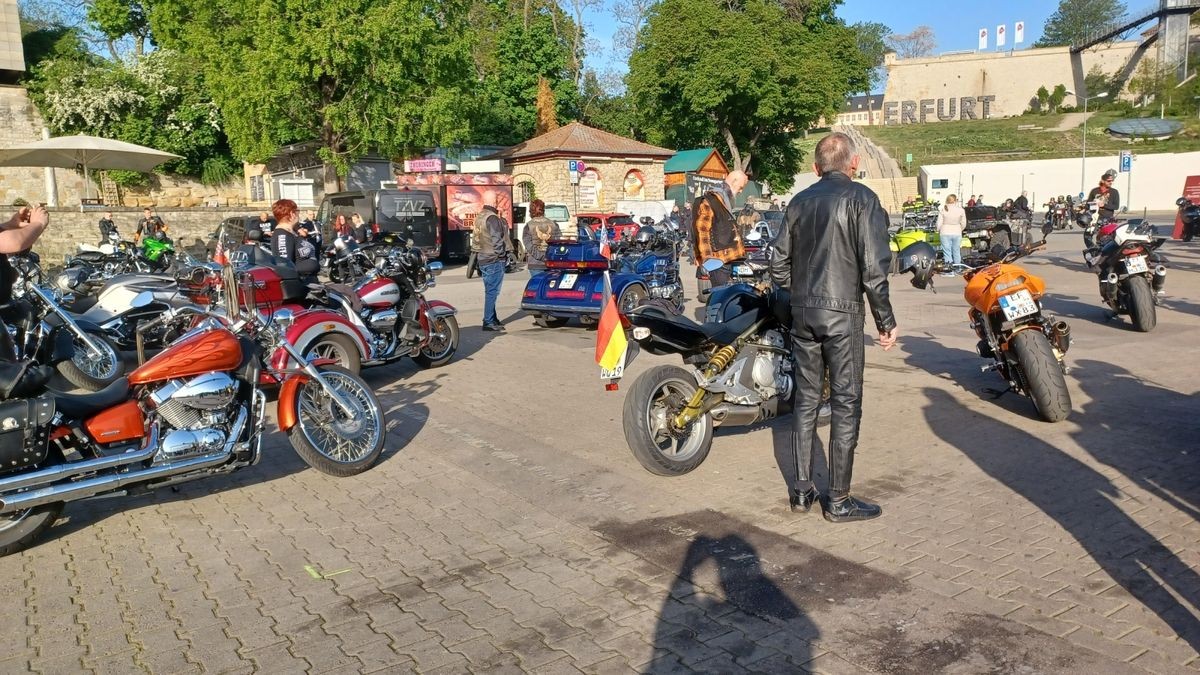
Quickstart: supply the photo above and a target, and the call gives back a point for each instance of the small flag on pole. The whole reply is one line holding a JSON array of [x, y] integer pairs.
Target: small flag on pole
[[605, 249], [1000, 35], [1018, 32], [610, 334], [983, 38]]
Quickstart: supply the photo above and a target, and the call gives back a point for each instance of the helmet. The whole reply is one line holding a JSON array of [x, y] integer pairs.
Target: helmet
[[1109, 174], [645, 234], [1084, 219], [1182, 202], [918, 257]]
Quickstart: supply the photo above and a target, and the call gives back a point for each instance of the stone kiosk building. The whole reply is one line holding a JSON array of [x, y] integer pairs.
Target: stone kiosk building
[[617, 168]]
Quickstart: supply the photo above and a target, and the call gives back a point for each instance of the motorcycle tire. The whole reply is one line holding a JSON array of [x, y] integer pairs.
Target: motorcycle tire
[[430, 359], [367, 420], [1043, 375], [340, 347], [1189, 232], [19, 529], [90, 376], [1140, 301], [641, 414]]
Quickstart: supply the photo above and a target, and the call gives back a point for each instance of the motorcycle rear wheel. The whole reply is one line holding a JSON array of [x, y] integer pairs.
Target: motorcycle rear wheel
[[1043, 375], [656, 395], [325, 437], [18, 530], [1140, 301], [337, 347], [439, 353], [89, 372]]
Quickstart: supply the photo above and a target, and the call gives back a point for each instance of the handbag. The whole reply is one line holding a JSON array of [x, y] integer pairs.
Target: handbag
[[25, 432]]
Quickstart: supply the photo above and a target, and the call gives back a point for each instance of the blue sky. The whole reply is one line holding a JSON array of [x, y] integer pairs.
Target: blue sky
[[955, 24]]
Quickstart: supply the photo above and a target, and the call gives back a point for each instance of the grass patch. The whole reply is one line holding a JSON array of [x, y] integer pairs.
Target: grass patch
[[808, 144], [1000, 140]]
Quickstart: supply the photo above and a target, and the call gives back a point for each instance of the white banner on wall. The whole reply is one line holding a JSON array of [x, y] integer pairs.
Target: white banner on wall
[[1000, 35], [1018, 32], [983, 38]]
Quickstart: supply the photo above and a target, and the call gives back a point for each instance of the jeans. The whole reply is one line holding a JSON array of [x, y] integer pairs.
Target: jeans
[[952, 248], [493, 277]]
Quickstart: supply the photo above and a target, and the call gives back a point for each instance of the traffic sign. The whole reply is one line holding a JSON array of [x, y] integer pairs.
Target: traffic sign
[[572, 165], [580, 166], [1126, 160], [574, 177], [908, 158]]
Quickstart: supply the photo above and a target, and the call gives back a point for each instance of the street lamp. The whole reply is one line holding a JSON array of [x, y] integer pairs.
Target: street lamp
[[1083, 167]]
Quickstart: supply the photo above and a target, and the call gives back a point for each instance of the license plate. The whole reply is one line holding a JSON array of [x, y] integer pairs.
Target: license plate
[[742, 270], [618, 371], [1135, 264], [568, 281], [976, 235], [1017, 305]]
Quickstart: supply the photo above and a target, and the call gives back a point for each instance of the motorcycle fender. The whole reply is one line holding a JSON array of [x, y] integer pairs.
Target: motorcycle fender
[[287, 401], [311, 325], [1018, 329], [436, 308]]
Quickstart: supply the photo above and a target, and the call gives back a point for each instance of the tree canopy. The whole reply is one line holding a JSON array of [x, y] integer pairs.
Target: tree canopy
[[1075, 20], [746, 76], [871, 38], [352, 75]]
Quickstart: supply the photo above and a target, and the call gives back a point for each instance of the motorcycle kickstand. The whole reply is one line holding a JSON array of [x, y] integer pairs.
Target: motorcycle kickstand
[[996, 393]]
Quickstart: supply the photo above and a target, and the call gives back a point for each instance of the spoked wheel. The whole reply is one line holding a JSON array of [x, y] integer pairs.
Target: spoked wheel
[[657, 396], [93, 370], [631, 298], [442, 346], [339, 348], [326, 437], [19, 529]]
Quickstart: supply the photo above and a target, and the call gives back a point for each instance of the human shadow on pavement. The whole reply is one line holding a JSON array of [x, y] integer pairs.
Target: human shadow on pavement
[[745, 590], [1081, 500], [404, 417], [1145, 431], [962, 367]]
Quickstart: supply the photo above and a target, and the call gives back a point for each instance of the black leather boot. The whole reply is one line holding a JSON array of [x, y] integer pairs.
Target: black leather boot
[[848, 509], [803, 501]]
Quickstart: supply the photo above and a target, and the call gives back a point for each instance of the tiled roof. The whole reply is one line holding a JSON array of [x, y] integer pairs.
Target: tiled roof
[[578, 139], [688, 160]]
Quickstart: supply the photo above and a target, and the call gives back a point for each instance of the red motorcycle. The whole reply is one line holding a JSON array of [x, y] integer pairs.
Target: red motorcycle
[[195, 410]]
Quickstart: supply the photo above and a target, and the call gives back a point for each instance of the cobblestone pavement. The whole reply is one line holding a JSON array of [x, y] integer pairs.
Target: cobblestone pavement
[[508, 528]]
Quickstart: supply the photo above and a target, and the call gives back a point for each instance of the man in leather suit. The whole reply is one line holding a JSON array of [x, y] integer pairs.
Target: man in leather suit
[[832, 249]]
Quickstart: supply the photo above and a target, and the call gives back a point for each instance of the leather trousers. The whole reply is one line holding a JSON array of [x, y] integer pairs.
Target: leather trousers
[[826, 339]]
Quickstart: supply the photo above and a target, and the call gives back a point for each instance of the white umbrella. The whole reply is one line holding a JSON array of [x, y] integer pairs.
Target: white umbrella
[[89, 151]]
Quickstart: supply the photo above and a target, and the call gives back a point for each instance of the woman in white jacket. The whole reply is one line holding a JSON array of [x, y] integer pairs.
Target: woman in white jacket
[[952, 219]]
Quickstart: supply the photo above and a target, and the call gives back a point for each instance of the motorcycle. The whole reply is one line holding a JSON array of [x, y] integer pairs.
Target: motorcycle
[[1132, 273], [159, 252], [39, 317], [388, 306], [751, 269], [1027, 347], [195, 410], [739, 372], [1189, 213]]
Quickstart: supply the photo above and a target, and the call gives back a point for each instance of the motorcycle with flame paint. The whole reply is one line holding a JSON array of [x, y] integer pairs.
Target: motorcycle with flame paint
[[194, 410]]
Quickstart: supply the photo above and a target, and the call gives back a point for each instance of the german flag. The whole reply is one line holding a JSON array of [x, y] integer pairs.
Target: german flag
[[610, 335]]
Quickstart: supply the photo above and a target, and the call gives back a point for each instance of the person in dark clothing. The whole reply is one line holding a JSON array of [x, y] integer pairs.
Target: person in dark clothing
[[492, 247], [359, 228], [17, 235], [108, 228], [1107, 198], [265, 223], [1022, 202], [735, 181], [832, 249], [539, 231], [149, 226], [288, 245], [312, 229]]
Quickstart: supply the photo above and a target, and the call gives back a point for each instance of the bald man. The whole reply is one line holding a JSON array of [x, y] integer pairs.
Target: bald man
[[832, 250]]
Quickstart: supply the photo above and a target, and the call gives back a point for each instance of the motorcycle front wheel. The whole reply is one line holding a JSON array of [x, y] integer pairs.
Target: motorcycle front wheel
[[93, 371], [441, 349], [1043, 375], [656, 396], [328, 439], [19, 529]]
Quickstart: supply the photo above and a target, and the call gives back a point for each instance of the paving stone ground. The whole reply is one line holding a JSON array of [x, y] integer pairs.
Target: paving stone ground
[[508, 528]]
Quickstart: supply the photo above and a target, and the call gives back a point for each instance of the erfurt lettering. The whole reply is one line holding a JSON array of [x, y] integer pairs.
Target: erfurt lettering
[[945, 109]]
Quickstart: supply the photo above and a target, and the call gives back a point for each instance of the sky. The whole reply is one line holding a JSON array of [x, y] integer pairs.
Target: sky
[[955, 24]]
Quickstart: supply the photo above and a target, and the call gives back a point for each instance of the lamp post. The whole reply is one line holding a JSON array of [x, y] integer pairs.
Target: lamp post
[[1083, 166]]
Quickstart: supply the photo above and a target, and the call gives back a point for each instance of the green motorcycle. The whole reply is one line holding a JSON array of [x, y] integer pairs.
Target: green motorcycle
[[159, 251]]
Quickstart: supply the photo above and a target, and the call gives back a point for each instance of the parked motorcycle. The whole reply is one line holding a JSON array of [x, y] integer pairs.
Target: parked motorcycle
[[1027, 347], [195, 410], [1132, 273], [1190, 214], [38, 317]]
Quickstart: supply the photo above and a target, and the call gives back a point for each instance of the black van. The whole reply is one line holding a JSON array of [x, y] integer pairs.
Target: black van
[[410, 213]]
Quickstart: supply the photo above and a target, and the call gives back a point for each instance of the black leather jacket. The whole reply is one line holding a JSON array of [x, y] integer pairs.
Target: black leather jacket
[[833, 248]]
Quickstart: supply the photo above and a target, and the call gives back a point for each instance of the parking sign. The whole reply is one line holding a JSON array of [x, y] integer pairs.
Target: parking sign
[[572, 165], [1126, 160]]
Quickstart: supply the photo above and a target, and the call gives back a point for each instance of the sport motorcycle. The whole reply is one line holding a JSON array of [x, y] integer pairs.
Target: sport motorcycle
[[1189, 215], [195, 410], [1132, 272]]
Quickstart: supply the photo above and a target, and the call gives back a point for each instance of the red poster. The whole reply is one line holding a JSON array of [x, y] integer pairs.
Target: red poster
[[464, 201], [1191, 190]]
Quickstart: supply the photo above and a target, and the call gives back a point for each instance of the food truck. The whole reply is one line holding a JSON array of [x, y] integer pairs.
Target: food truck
[[457, 198]]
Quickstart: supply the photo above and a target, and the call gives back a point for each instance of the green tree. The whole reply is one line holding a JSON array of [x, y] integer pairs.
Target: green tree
[[1076, 20], [1057, 97], [744, 76], [352, 75], [121, 20], [1043, 99], [871, 38], [1097, 82], [603, 107]]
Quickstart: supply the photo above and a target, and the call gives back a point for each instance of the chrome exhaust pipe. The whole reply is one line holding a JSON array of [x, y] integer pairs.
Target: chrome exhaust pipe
[[91, 487], [1112, 278], [1061, 335], [63, 471]]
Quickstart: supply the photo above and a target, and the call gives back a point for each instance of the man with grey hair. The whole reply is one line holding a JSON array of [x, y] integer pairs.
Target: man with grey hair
[[832, 249]]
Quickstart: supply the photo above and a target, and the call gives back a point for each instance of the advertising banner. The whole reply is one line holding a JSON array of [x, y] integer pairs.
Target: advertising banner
[[1000, 35], [982, 38], [1019, 33], [1191, 190]]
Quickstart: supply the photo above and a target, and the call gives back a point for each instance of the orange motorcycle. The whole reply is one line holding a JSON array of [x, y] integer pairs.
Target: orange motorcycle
[[195, 410], [1027, 347]]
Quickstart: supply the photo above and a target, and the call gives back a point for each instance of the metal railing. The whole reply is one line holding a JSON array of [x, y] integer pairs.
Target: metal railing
[[1125, 23]]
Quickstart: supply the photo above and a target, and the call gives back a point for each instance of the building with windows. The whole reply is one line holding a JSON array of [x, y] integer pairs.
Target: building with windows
[[861, 111]]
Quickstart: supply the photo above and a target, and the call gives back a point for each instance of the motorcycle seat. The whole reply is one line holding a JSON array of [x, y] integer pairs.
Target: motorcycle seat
[[82, 406], [723, 333]]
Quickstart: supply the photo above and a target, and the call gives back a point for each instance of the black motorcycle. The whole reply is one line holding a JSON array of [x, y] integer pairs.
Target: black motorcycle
[[1189, 212]]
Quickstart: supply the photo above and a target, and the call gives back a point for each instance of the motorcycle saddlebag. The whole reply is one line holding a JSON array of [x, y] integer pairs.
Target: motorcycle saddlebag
[[24, 432]]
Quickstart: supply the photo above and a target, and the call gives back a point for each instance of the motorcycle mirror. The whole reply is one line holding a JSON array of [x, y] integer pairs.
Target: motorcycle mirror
[[435, 268], [712, 265], [142, 299]]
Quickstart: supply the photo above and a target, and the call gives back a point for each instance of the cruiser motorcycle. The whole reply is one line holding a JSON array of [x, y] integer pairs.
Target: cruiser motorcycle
[[195, 410], [1132, 273]]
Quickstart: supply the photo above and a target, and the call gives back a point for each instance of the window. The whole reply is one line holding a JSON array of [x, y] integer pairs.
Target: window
[[526, 191], [941, 183], [258, 189], [557, 212]]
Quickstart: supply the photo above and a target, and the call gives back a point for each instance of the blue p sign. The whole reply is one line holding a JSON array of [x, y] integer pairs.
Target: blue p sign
[[572, 165], [1126, 161]]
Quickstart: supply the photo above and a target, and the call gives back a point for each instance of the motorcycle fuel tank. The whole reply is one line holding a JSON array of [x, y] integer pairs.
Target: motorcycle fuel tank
[[204, 352], [379, 293]]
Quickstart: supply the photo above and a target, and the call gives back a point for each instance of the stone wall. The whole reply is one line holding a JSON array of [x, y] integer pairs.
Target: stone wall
[[552, 182], [189, 228], [1012, 78]]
